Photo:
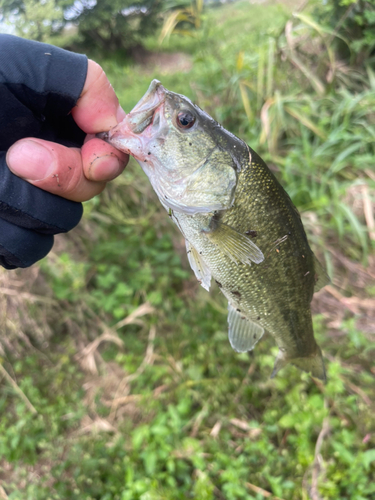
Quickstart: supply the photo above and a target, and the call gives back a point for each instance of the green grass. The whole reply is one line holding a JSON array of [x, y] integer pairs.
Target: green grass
[[163, 408]]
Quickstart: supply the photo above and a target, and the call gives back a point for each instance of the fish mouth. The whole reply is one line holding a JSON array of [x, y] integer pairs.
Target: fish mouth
[[142, 114], [145, 112]]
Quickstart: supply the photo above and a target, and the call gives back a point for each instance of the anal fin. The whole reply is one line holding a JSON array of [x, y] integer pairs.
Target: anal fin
[[237, 246], [201, 271], [243, 333]]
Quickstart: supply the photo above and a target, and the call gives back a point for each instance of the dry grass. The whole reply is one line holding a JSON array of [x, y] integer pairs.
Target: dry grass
[[23, 291]]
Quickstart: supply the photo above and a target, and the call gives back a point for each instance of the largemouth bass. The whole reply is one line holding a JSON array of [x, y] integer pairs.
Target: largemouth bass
[[240, 226]]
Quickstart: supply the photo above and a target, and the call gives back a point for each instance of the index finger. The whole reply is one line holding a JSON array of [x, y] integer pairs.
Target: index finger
[[98, 108]]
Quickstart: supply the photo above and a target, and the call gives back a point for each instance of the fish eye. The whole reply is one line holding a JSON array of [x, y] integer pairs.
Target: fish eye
[[185, 119]]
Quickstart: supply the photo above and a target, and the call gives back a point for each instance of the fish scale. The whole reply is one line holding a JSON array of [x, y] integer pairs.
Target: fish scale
[[240, 225], [248, 287]]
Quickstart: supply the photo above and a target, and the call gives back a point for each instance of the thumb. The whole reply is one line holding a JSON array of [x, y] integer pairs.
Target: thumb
[[31, 160], [52, 167]]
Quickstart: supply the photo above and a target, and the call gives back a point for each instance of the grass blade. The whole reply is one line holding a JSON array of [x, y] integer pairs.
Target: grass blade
[[305, 121], [246, 102]]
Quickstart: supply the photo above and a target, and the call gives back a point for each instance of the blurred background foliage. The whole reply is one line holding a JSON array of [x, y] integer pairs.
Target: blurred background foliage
[[117, 380]]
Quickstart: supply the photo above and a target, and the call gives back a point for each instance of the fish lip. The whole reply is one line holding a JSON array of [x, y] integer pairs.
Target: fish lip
[[143, 124], [155, 88], [143, 112], [104, 136]]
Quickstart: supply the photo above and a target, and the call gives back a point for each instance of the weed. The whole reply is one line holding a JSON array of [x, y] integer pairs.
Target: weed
[[123, 385]]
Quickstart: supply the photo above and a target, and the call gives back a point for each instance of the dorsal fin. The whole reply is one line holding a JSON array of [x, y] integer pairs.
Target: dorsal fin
[[321, 276]]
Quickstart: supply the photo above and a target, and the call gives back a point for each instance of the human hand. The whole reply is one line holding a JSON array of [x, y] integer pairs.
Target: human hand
[[49, 100], [76, 174]]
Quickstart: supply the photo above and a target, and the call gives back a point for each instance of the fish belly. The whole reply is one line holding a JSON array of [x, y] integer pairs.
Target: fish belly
[[269, 294]]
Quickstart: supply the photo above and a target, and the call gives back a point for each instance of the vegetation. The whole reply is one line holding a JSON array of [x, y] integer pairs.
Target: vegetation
[[123, 385], [183, 20], [105, 25]]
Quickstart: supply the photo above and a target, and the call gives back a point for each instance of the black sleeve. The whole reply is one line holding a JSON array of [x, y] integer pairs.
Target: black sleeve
[[39, 85]]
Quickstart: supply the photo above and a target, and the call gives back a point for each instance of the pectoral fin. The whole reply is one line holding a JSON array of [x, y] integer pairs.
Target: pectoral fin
[[201, 271], [237, 246], [243, 333], [312, 364], [321, 276]]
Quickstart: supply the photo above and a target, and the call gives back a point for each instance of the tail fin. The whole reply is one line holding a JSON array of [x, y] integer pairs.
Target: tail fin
[[313, 364], [280, 361]]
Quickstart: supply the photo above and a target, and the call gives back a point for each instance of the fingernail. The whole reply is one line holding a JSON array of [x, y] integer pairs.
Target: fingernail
[[105, 168], [120, 115], [30, 160]]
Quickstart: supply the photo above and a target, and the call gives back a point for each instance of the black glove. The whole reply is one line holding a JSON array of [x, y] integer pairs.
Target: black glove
[[39, 85]]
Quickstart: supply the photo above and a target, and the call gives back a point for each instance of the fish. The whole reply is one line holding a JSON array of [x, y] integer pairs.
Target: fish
[[240, 226]]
